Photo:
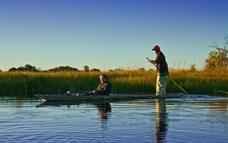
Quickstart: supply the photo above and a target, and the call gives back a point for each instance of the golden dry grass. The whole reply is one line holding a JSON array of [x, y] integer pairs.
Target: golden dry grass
[[124, 81]]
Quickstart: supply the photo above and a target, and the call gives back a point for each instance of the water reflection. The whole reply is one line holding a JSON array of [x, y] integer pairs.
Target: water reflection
[[161, 120], [218, 107], [104, 110], [15, 103]]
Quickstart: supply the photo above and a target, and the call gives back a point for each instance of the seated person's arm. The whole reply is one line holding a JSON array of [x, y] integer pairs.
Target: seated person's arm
[[102, 89], [95, 91]]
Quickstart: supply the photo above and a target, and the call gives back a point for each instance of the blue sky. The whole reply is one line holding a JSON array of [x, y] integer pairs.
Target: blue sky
[[108, 34]]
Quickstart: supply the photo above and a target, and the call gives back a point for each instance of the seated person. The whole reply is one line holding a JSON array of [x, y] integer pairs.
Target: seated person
[[104, 88]]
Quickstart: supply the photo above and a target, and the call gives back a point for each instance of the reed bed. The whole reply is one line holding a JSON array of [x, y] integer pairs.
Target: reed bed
[[124, 81]]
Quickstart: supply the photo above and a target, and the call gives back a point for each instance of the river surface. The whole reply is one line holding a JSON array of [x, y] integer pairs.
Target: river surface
[[203, 120]]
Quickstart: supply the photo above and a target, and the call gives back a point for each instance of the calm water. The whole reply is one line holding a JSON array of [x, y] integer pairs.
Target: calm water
[[199, 120]]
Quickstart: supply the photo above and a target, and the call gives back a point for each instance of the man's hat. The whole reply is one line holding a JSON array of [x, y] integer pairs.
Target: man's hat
[[156, 47]]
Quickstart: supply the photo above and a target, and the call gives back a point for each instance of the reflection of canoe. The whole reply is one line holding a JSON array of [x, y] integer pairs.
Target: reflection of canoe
[[69, 103], [112, 97]]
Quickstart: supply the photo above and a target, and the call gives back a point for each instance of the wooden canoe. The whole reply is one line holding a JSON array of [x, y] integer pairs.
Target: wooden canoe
[[109, 98]]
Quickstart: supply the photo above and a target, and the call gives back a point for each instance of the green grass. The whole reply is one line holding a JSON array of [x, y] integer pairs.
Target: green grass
[[29, 83]]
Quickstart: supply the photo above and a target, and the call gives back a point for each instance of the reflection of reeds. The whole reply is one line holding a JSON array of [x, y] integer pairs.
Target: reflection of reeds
[[28, 83]]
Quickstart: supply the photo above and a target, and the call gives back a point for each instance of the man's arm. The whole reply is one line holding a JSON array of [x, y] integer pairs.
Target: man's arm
[[158, 59]]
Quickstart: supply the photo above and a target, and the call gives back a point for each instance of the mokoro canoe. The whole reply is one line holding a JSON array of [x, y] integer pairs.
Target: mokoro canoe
[[109, 98]]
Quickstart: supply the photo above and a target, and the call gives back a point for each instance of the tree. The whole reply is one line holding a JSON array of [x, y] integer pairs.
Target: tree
[[26, 68], [193, 67], [141, 69], [12, 69], [218, 58], [86, 68], [95, 70], [64, 68], [30, 68]]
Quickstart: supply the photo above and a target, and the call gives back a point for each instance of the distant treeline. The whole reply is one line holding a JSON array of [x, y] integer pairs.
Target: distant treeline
[[30, 68]]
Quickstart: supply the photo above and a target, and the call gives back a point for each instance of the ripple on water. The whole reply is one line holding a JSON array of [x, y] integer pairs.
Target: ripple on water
[[135, 121]]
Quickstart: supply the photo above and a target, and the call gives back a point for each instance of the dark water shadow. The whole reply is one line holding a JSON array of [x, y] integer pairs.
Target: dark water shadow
[[104, 113], [104, 108], [161, 120]]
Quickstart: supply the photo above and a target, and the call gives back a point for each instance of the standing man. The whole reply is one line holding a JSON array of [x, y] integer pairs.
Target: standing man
[[162, 71]]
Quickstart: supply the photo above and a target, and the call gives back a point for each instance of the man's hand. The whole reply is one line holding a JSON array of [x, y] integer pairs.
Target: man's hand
[[151, 61]]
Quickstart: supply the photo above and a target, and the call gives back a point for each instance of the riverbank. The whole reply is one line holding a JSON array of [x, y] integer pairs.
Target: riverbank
[[124, 81]]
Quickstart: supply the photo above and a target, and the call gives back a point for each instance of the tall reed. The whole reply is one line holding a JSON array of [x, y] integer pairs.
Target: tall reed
[[124, 81]]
